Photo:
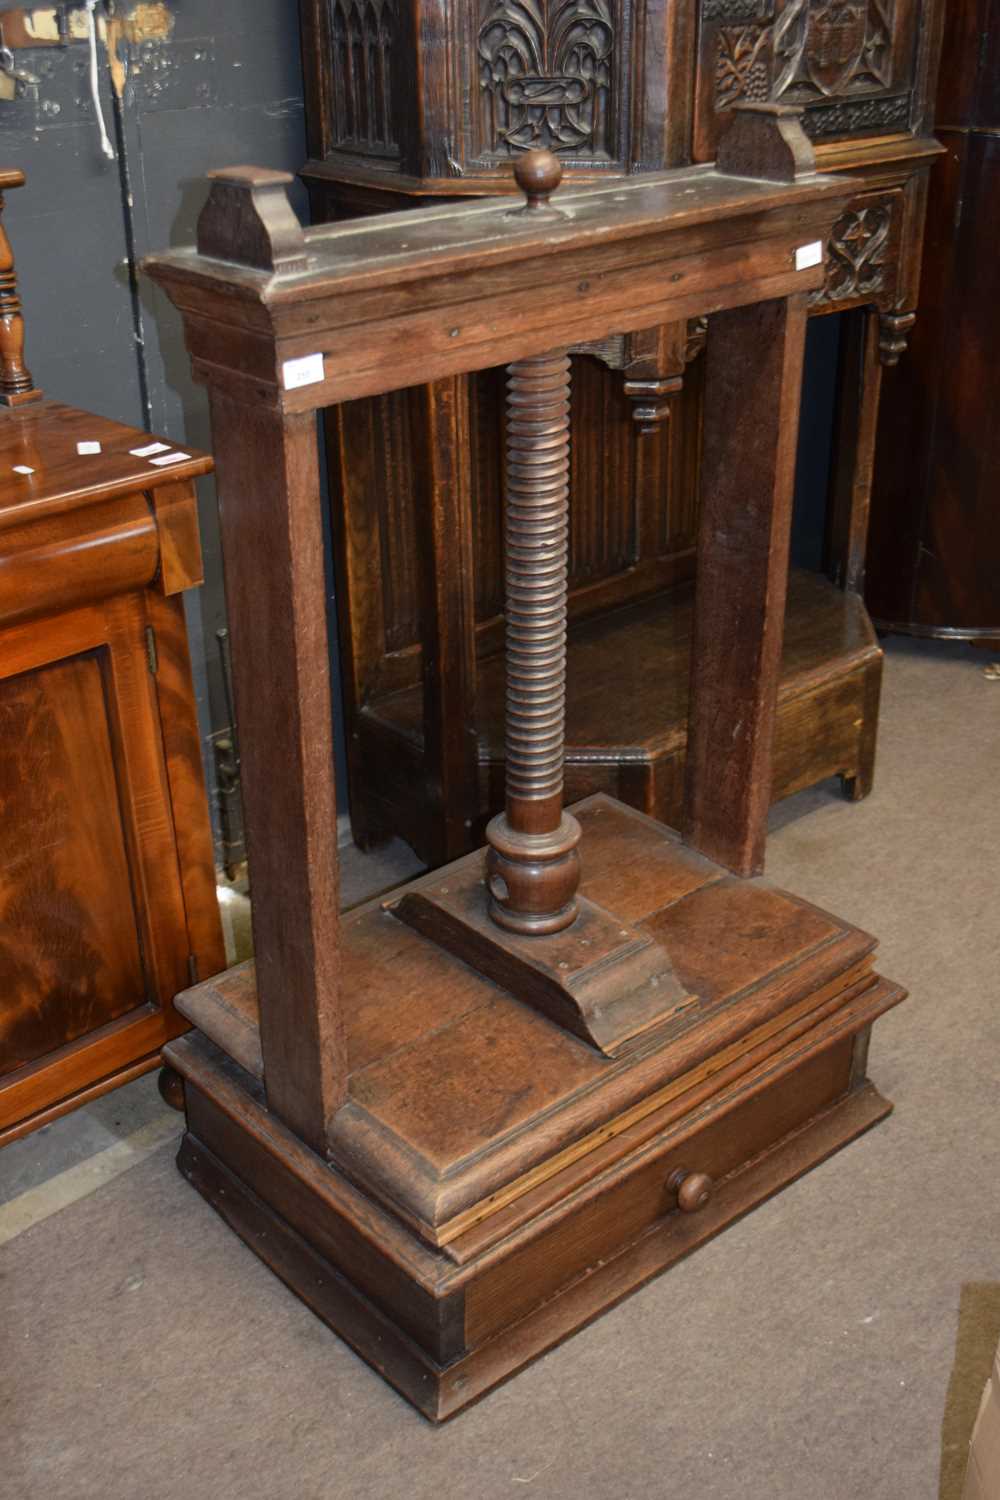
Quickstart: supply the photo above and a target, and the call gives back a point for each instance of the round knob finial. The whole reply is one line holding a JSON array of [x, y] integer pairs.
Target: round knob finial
[[693, 1189], [538, 174]]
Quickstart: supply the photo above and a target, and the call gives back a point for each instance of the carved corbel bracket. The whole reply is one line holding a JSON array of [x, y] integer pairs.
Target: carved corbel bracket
[[653, 363], [894, 334], [651, 400]]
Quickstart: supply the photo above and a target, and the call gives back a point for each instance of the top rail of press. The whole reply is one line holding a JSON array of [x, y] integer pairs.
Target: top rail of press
[[401, 298]]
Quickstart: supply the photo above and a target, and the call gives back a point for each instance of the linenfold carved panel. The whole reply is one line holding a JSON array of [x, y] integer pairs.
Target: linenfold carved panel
[[362, 34], [546, 70]]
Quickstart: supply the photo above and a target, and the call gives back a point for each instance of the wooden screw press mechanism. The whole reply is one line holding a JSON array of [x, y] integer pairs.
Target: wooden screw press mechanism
[[463, 1121]]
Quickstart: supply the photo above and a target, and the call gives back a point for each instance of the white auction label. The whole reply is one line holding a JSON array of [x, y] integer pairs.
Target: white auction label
[[168, 458], [809, 255], [149, 450], [22, 469], [88, 447], [305, 371]]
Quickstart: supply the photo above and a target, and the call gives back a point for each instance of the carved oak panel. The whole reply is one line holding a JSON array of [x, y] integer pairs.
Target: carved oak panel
[[850, 63], [363, 38], [863, 254], [549, 73]]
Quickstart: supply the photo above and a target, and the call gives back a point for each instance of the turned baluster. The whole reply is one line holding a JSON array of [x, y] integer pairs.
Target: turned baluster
[[16, 384], [533, 868]]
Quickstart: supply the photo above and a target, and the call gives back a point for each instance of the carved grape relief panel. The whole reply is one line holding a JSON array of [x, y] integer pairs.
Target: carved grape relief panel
[[742, 71]]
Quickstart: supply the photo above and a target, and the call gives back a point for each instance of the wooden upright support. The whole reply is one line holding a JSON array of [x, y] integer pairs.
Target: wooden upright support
[[268, 478], [753, 381], [753, 384]]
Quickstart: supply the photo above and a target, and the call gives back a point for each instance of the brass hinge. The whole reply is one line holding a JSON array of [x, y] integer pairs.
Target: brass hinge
[[152, 657]]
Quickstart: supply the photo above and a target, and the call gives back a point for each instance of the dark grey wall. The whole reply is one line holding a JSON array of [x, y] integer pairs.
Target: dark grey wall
[[224, 87]]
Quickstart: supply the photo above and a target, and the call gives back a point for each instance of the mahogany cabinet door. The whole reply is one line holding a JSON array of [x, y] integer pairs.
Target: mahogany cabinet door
[[93, 931]]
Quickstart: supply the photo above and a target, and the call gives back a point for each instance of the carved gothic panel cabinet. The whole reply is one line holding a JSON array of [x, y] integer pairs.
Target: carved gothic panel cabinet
[[417, 100]]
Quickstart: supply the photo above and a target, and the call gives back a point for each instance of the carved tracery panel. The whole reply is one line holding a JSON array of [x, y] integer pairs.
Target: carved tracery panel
[[362, 34], [546, 76]]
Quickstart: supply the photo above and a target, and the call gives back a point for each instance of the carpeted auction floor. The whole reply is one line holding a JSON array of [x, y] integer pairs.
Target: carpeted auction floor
[[834, 1344]]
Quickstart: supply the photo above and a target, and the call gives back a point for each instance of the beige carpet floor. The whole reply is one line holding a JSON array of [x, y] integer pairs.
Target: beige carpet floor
[[831, 1345]]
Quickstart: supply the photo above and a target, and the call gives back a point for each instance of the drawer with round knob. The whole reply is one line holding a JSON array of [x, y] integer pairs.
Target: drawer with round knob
[[681, 1183]]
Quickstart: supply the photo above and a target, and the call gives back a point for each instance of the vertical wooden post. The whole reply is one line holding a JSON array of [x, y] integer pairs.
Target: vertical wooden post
[[448, 624], [268, 479], [859, 390], [752, 393]]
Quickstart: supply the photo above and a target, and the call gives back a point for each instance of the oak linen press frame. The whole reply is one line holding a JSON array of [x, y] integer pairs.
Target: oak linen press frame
[[462, 1121]]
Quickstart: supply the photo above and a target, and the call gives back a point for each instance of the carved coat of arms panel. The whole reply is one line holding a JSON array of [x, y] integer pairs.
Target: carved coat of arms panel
[[849, 63]]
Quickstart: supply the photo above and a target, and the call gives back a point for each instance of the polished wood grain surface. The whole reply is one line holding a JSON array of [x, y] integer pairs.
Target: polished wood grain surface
[[44, 438], [70, 957], [107, 887]]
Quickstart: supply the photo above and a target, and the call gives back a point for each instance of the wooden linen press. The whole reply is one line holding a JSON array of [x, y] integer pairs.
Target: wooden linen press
[[462, 1121]]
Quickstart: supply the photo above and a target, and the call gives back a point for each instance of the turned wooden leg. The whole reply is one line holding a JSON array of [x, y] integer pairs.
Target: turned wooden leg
[[16, 384], [171, 1087], [533, 868]]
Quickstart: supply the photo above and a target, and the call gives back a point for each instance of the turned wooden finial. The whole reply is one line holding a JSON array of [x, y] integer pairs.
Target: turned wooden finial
[[249, 220], [765, 140], [16, 384], [538, 174]]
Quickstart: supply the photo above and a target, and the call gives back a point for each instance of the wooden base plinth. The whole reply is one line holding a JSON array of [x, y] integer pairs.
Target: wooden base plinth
[[494, 1182]]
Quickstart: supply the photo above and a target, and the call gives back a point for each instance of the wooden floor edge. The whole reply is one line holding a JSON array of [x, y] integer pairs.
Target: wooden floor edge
[[441, 1393]]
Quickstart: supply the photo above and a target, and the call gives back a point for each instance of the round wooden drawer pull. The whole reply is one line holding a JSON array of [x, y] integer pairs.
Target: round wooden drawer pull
[[693, 1189]]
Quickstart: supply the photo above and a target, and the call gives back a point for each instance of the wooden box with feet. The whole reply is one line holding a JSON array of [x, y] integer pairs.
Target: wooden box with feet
[[467, 1118]]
